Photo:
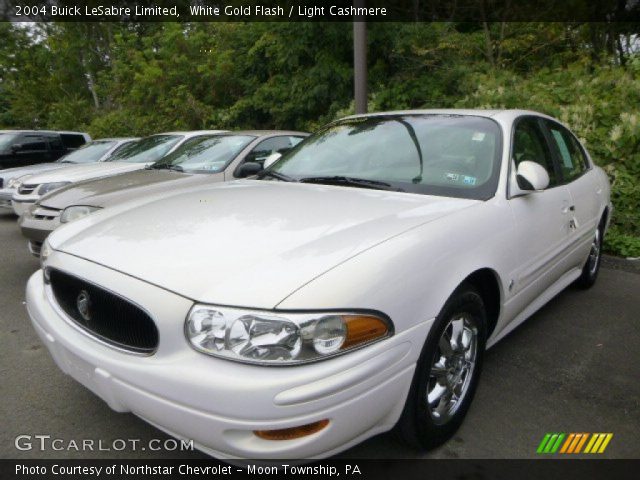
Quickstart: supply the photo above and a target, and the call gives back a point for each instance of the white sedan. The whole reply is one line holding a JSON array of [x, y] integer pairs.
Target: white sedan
[[350, 288]]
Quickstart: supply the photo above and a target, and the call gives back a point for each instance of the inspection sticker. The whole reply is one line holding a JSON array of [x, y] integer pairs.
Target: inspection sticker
[[469, 180]]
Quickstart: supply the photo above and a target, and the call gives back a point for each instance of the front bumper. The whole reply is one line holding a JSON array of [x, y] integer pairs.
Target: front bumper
[[22, 205], [5, 199], [39, 223], [219, 403]]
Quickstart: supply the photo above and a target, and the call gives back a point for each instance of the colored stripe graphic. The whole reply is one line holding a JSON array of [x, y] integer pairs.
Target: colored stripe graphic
[[573, 443], [543, 443], [598, 442], [550, 443], [567, 442], [581, 442]]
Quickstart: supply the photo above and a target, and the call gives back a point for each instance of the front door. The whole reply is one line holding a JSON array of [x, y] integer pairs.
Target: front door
[[542, 218]]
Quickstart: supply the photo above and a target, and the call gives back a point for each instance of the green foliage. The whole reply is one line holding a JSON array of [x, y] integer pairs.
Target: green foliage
[[132, 79]]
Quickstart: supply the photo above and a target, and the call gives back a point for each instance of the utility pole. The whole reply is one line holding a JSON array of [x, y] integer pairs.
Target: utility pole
[[360, 61]]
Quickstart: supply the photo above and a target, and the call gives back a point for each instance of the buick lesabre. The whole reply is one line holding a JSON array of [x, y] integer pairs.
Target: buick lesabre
[[350, 288]]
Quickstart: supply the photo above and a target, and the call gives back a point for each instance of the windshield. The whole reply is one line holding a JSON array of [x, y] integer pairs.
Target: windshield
[[205, 154], [446, 155], [7, 139], [147, 150], [91, 152]]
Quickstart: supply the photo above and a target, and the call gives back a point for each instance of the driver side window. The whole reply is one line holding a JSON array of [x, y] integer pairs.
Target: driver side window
[[530, 144]]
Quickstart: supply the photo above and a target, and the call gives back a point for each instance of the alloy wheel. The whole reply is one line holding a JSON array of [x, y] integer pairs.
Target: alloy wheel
[[594, 254], [452, 368]]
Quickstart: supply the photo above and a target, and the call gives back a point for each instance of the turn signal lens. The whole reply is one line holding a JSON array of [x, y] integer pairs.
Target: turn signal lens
[[292, 433], [363, 329]]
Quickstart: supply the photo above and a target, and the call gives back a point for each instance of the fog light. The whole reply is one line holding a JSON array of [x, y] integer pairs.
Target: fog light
[[293, 432]]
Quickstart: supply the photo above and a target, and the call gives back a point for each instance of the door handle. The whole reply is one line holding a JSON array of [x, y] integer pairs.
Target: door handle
[[571, 208], [573, 224]]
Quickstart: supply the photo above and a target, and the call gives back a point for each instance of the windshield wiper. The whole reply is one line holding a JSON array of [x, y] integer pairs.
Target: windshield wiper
[[350, 181], [278, 175]]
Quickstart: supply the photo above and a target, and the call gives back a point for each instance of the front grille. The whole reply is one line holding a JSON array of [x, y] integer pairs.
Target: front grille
[[35, 248], [27, 189], [104, 314]]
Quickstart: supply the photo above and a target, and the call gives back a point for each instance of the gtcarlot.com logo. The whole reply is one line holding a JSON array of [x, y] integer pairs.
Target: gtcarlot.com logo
[[48, 442], [572, 443]]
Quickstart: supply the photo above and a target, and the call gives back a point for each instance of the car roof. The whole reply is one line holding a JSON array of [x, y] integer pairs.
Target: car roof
[[115, 139], [261, 133], [44, 131], [190, 133], [480, 112]]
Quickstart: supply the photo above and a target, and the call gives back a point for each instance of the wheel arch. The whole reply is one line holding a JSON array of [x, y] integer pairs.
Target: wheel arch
[[487, 282]]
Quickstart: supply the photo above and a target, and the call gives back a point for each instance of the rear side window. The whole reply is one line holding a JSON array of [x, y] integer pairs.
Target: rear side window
[[72, 140], [55, 143], [530, 144], [573, 162]]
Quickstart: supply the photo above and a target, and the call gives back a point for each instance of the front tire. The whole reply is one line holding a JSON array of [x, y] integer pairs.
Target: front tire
[[447, 372]]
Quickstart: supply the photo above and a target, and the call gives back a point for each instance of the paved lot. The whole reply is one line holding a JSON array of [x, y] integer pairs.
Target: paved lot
[[573, 367]]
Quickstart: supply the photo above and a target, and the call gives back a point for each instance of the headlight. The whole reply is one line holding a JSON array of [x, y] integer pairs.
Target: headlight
[[50, 187], [281, 338], [14, 183], [75, 212]]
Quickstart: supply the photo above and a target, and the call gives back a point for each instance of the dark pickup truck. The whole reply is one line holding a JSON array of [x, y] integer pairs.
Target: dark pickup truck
[[27, 147]]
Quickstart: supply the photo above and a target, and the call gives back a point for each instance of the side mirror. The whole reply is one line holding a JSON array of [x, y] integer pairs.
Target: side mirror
[[247, 169], [271, 159], [531, 176], [16, 147]]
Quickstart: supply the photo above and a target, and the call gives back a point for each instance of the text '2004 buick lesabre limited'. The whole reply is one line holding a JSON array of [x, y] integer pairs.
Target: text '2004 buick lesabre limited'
[[349, 288]]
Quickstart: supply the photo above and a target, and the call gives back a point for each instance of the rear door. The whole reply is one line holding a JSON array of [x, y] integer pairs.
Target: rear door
[[541, 218], [581, 180], [33, 148]]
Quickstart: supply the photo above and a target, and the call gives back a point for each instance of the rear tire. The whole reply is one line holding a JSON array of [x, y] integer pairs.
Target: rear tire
[[591, 267], [447, 372]]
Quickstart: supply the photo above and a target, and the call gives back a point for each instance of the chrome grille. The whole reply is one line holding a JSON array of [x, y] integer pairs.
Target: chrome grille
[[103, 314]]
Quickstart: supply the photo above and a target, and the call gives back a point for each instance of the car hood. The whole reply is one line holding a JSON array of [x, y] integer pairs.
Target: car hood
[[247, 243], [105, 192], [15, 172], [77, 173]]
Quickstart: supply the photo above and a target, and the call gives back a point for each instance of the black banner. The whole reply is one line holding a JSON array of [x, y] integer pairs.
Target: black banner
[[543, 469], [320, 10]]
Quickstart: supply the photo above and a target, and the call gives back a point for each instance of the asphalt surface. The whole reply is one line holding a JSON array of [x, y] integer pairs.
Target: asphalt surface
[[572, 367]]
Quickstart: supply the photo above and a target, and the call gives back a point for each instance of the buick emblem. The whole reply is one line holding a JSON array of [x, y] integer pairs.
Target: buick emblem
[[83, 302]]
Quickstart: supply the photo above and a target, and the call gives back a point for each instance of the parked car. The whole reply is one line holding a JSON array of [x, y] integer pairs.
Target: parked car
[[94, 151], [351, 287], [19, 148], [132, 157], [198, 161]]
